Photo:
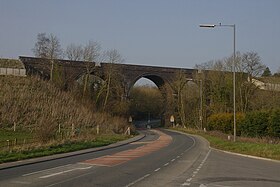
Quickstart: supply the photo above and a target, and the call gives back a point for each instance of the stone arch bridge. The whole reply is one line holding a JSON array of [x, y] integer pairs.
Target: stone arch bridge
[[73, 70]]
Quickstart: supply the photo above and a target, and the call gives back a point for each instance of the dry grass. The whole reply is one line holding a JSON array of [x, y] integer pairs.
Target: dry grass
[[40, 107]]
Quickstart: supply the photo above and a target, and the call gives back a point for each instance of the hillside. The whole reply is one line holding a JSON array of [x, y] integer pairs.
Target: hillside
[[40, 107]]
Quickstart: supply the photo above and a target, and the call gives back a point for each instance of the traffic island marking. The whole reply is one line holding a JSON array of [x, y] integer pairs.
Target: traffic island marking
[[125, 156]]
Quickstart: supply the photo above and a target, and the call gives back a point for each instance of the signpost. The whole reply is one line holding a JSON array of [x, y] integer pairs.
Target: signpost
[[172, 120]]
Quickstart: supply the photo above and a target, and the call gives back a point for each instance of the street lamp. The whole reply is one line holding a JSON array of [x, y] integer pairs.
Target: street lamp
[[234, 109]]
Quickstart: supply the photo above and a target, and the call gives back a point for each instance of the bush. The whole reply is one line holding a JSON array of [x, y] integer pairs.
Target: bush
[[224, 122], [274, 124], [255, 124]]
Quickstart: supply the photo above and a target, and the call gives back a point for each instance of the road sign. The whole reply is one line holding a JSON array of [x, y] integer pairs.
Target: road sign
[[172, 119], [130, 119]]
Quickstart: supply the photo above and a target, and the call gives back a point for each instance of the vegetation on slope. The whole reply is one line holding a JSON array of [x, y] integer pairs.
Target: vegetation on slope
[[10, 63], [39, 107]]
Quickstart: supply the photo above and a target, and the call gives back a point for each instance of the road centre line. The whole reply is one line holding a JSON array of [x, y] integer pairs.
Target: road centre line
[[138, 180], [166, 164], [157, 169], [187, 183], [36, 172]]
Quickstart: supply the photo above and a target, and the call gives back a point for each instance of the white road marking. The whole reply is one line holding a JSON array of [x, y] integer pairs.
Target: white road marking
[[21, 182], [202, 185], [173, 160], [63, 181], [36, 172], [166, 164], [134, 182], [62, 172], [187, 183], [157, 169]]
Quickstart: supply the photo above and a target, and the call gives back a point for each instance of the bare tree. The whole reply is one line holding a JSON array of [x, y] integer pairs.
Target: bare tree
[[41, 47], [251, 63], [111, 75], [74, 52], [91, 54], [179, 85], [48, 47], [277, 74]]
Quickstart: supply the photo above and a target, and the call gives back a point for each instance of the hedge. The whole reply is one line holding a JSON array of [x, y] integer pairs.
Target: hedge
[[252, 124]]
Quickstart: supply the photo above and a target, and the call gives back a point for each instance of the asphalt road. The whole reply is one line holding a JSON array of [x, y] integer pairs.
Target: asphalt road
[[162, 158]]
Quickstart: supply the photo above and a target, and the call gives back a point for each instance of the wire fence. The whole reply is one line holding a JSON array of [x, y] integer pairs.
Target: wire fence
[[16, 142], [10, 144]]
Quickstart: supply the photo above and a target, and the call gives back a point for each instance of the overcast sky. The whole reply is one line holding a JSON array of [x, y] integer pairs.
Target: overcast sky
[[146, 32]]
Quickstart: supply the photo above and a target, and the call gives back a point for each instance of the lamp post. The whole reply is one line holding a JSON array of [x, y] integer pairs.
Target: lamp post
[[234, 107], [200, 95]]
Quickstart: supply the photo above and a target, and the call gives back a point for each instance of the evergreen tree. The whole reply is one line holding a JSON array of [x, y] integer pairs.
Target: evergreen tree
[[266, 72]]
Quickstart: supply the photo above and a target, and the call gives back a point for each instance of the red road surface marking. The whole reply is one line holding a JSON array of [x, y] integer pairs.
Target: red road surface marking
[[124, 156]]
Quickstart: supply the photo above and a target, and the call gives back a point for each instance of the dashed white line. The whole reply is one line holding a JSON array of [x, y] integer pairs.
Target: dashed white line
[[187, 183], [166, 164], [134, 182], [173, 160], [157, 169]]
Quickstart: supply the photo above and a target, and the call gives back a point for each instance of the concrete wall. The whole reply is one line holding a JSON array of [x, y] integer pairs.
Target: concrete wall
[[13, 71]]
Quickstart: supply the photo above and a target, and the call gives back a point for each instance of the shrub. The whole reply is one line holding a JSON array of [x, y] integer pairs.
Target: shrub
[[274, 124], [224, 122], [255, 124]]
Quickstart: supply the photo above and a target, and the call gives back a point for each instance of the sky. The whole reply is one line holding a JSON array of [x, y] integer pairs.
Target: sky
[[147, 32]]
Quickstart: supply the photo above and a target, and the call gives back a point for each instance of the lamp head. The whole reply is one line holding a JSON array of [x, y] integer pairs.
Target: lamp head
[[207, 25]]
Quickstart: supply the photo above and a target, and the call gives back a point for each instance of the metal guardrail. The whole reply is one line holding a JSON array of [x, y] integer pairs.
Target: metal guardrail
[[13, 71]]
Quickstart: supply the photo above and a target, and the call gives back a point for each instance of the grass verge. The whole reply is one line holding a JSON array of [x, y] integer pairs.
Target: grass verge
[[264, 150], [54, 148]]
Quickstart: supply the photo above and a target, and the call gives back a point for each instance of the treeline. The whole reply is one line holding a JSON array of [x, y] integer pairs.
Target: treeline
[[146, 103], [207, 101]]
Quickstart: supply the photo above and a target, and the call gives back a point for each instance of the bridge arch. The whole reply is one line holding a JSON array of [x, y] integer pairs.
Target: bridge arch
[[158, 80]]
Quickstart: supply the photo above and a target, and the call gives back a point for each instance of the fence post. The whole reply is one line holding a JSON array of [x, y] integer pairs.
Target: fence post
[[73, 128], [97, 129], [14, 126], [8, 141]]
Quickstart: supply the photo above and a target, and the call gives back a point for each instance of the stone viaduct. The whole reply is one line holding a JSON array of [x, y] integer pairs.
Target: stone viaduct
[[73, 70]]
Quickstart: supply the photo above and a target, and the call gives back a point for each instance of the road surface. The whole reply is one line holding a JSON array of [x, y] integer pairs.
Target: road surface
[[162, 158]]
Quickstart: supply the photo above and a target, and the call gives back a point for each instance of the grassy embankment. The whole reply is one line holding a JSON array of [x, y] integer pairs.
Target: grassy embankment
[[10, 63], [248, 146], [21, 152], [55, 121]]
